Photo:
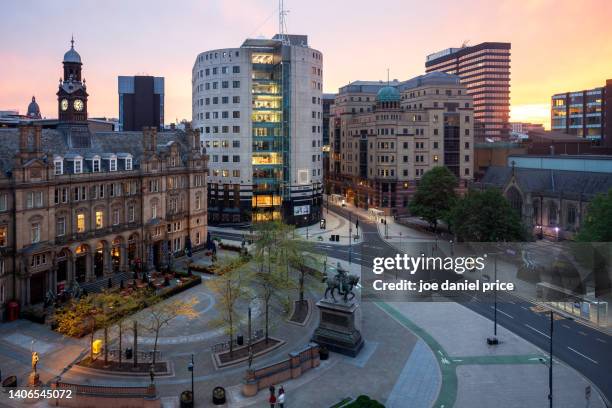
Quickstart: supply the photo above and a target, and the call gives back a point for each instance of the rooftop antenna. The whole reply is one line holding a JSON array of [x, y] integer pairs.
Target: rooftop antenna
[[388, 77], [465, 43], [282, 24]]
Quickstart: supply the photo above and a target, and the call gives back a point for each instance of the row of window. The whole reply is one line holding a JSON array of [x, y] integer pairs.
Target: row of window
[[224, 70], [95, 167], [215, 100]]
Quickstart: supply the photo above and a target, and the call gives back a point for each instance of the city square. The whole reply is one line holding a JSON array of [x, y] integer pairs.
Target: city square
[[264, 215]]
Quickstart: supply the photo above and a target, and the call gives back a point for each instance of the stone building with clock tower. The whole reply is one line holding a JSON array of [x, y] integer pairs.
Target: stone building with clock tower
[[81, 207]]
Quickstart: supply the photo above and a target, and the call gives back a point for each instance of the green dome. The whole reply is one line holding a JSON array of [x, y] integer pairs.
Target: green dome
[[388, 94]]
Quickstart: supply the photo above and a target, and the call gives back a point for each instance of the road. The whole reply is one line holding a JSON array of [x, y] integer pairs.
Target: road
[[587, 350]]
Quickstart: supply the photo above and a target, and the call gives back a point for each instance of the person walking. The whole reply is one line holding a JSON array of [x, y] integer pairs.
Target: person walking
[[272, 400], [281, 397]]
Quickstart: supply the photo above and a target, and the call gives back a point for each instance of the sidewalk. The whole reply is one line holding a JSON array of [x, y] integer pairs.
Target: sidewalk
[[477, 375]]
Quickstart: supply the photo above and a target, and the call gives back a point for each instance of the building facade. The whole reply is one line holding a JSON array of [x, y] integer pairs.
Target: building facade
[[385, 136], [328, 102], [259, 109], [584, 113], [77, 206], [141, 102], [551, 193], [484, 69]]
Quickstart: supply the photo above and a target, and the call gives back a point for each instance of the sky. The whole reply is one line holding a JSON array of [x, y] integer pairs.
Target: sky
[[557, 45]]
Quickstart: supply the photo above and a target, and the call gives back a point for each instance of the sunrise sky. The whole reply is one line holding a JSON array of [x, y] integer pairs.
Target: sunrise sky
[[557, 45]]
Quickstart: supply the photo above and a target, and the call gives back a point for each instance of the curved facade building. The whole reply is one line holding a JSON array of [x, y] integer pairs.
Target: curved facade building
[[259, 110]]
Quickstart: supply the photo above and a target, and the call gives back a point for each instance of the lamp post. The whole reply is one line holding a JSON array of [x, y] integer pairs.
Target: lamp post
[[190, 368], [550, 357], [350, 236]]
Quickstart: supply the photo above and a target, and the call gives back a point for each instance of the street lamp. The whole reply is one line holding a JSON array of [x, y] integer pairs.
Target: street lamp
[[190, 368], [550, 357]]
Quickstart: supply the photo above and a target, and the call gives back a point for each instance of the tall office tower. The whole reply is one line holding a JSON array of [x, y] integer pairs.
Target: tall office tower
[[484, 69], [259, 109], [387, 135], [141, 102], [584, 113]]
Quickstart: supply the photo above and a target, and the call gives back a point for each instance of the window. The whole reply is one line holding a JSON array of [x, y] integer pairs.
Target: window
[[59, 167], [235, 84], [571, 215], [154, 211], [235, 143], [3, 235], [131, 213], [198, 201], [236, 114], [34, 199], [197, 238], [112, 166], [236, 69], [116, 216], [35, 233], [235, 99], [99, 219], [78, 166], [80, 222], [95, 166], [3, 202], [101, 190], [236, 158], [128, 163], [60, 227]]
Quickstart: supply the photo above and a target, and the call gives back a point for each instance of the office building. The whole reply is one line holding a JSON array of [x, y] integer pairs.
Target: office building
[[79, 207], [141, 102], [484, 69], [328, 101], [259, 109], [386, 135], [584, 113]]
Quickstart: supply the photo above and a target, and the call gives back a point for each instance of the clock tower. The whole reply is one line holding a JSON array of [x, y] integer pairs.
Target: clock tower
[[72, 93]]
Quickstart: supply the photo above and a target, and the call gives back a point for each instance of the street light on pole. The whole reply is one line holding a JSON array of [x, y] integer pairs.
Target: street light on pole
[[550, 357], [190, 368]]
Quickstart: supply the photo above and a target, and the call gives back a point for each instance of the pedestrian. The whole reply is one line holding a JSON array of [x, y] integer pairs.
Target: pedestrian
[[281, 397], [272, 400]]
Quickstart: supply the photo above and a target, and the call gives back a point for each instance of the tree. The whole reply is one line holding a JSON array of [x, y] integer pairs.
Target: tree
[[486, 216], [230, 287], [597, 225], [162, 313], [78, 317], [435, 195]]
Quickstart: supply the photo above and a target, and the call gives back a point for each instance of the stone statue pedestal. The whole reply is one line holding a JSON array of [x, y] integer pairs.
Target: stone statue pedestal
[[34, 380], [336, 329]]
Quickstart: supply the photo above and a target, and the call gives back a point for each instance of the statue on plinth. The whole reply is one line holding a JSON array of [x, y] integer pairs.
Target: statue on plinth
[[342, 282], [34, 378]]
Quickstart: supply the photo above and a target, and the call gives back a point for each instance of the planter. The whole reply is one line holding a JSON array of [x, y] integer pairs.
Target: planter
[[323, 353], [218, 396], [10, 382], [186, 399]]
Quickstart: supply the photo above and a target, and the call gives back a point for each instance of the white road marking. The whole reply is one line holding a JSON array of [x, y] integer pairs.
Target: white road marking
[[600, 340], [536, 330], [523, 307], [582, 355], [502, 312], [583, 333], [566, 326]]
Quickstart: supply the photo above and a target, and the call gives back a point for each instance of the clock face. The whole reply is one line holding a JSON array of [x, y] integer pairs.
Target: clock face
[[78, 105], [64, 104]]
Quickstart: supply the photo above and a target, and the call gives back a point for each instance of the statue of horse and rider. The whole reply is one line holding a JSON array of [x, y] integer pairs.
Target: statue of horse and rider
[[342, 282]]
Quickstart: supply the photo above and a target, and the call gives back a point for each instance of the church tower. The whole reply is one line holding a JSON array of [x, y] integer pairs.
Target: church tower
[[72, 93]]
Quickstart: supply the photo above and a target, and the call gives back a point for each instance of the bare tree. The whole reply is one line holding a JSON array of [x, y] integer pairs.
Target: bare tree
[[230, 287], [162, 313]]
